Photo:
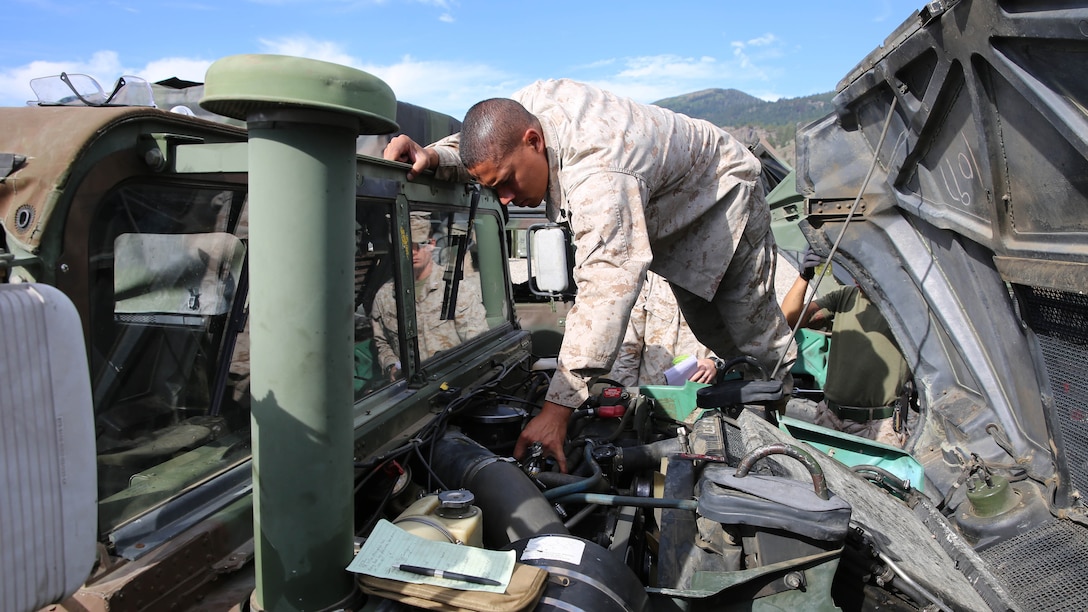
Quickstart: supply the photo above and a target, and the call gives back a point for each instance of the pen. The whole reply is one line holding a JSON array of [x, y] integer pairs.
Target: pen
[[437, 573]]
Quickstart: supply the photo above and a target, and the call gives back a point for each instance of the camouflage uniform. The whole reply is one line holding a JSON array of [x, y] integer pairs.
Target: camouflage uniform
[[644, 187], [434, 333], [656, 334]]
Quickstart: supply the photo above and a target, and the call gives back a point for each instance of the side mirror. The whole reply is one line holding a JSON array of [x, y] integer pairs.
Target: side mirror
[[550, 271]]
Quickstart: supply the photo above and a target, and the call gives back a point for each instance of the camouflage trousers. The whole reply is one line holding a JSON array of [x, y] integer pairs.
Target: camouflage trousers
[[744, 317]]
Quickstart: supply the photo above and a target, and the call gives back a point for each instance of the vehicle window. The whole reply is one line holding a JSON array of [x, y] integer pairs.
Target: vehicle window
[[167, 305], [169, 343], [479, 297], [377, 346], [519, 259], [489, 255]]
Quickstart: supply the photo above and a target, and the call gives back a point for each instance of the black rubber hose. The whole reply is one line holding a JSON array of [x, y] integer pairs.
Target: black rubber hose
[[628, 459], [635, 458], [586, 484], [550, 480], [512, 505]]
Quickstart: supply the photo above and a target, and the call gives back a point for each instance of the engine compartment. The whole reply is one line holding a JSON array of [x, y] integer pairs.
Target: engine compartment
[[681, 507]]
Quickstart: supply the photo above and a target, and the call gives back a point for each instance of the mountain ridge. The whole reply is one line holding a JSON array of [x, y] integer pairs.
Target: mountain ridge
[[737, 111]]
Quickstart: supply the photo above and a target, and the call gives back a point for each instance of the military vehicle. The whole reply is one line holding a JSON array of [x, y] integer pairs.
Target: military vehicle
[[199, 412]]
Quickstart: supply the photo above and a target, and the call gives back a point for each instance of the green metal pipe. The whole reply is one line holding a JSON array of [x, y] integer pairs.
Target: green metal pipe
[[302, 219], [303, 117]]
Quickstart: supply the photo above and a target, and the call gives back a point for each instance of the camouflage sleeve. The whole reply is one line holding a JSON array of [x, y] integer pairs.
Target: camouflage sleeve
[[471, 318], [449, 159], [629, 359], [612, 255], [383, 316]]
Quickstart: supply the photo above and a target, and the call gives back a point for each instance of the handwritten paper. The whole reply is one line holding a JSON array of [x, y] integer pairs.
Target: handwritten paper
[[389, 546]]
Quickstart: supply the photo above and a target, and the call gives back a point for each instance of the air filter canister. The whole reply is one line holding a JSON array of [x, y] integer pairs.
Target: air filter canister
[[581, 575]]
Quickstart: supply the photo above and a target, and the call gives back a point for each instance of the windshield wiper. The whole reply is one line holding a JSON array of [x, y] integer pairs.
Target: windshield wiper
[[453, 277]]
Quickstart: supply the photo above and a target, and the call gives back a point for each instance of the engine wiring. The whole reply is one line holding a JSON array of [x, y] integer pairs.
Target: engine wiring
[[432, 430]]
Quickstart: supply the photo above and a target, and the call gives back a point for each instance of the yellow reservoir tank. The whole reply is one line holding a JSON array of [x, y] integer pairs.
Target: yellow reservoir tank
[[448, 516]]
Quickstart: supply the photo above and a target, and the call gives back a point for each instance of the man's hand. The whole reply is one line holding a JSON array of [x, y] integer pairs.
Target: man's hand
[[404, 149], [550, 429], [705, 372], [809, 263]]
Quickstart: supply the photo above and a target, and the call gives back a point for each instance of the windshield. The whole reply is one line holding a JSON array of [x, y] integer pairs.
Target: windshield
[[169, 341], [168, 297]]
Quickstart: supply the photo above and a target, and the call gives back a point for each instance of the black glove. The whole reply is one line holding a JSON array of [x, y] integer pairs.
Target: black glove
[[809, 263]]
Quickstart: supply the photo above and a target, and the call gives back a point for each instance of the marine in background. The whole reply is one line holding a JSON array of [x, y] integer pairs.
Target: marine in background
[[868, 390], [434, 333], [657, 337]]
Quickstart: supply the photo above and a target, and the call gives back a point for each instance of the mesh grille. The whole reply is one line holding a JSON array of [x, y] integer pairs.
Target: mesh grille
[[1060, 320], [1044, 568]]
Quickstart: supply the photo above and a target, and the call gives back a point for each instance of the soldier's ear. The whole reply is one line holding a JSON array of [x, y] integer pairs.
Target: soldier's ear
[[534, 139]]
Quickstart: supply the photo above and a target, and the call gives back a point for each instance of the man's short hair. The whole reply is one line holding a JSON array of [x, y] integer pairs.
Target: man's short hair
[[491, 129]]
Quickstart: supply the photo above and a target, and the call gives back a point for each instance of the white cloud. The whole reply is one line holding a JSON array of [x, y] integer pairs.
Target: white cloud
[[762, 41], [104, 67], [679, 68], [448, 86], [447, 18], [741, 55], [751, 55], [651, 78], [303, 46]]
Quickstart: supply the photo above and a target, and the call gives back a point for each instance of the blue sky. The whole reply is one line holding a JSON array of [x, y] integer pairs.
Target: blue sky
[[448, 54]]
